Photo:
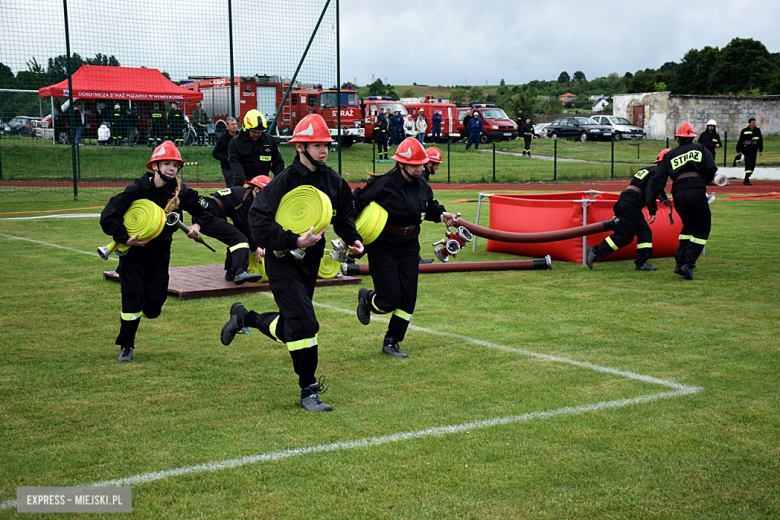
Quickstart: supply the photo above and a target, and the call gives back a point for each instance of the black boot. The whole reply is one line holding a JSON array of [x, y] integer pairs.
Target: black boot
[[245, 276], [235, 324], [677, 268], [591, 252], [364, 306], [687, 271], [229, 274], [747, 182], [126, 354], [645, 267], [426, 260], [390, 347]]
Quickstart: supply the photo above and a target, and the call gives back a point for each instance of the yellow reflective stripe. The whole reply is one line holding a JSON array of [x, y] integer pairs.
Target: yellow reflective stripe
[[644, 245], [685, 237], [242, 245], [373, 306], [302, 343], [701, 241], [131, 316], [272, 330], [403, 315], [748, 171], [612, 244]]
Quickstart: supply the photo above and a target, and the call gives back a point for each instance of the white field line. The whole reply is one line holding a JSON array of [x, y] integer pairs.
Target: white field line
[[678, 390], [55, 245], [68, 215]]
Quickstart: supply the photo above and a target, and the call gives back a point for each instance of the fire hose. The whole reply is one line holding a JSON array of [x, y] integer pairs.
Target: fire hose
[[173, 220], [301, 209], [144, 218], [371, 222], [535, 238], [509, 265]]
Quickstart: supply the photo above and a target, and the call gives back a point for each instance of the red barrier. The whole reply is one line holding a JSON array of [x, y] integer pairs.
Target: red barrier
[[533, 213]]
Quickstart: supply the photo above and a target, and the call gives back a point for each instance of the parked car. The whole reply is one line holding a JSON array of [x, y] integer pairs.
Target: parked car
[[540, 130], [4, 128], [23, 125], [581, 128], [497, 125], [622, 127]]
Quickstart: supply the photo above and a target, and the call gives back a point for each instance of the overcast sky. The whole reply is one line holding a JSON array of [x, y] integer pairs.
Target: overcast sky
[[432, 42]]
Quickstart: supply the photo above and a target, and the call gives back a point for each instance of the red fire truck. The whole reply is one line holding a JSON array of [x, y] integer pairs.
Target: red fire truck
[[265, 94], [372, 105], [429, 105]]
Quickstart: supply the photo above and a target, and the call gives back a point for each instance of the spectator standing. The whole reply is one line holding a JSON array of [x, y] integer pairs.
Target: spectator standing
[[211, 132], [117, 125], [398, 127], [131, 118], [410, 129], [380, 137], [200, 120], [527, 131], [475, 131], [56, 119], [253, 152], [176, 125], [710, 138], [422, 126], [436, 126], [79, 117], [220, 151], [466, 120], [104, 134], [750, 142]]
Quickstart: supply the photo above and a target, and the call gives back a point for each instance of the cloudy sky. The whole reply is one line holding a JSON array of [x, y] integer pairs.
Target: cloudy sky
[[432, 42]]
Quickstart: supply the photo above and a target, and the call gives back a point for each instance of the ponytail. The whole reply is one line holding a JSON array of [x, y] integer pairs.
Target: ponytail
[[175, 199]]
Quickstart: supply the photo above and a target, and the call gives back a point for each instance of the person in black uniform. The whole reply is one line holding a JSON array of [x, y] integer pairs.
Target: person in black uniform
[[394, 256], [176, 124], [131, 120], [143, 269], [220, 151], [380, 136], [253, 152], [433, 164], [234, 203], [527, 131], [292, 280], [632, 222], [710, 138], [750, 142], [156, 126], [691, 167], [117, 125]]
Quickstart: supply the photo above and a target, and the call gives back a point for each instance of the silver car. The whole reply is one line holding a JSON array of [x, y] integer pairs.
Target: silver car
[[622, 127]]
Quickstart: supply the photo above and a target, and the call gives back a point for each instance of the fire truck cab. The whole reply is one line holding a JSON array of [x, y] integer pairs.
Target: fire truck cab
[[429, 105], [497, 125], [371, 106], [325, 103]]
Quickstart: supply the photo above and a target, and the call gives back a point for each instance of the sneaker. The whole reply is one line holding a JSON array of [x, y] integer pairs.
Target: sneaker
[[364, 306], [245, 276], [310, 398], [426, 260], [235, 324], [390, 347], [591, 252], [646, 267], [687, 271], [126, 354]]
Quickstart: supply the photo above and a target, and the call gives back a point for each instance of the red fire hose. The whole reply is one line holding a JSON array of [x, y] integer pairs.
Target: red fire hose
[[510, 265], [535, 238]]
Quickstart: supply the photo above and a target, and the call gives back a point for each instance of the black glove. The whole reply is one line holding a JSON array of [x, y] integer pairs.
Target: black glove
[[667, 203]]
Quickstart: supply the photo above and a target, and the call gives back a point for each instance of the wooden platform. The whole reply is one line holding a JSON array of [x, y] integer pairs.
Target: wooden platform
[[208, 281]]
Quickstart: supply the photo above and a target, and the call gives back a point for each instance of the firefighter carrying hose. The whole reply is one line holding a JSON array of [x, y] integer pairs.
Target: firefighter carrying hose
[[292, 280], [143, 269], [691, 167], [234, 203], [632, 222], [253, 152], [394, 255]]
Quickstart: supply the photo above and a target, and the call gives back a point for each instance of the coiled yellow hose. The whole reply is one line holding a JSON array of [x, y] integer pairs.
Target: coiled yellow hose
[[303, 208], [256, 267], [143, 217], [329, 268], [371, 222]]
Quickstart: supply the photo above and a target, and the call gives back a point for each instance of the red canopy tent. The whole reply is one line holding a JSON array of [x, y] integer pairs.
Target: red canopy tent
[[99, 82]]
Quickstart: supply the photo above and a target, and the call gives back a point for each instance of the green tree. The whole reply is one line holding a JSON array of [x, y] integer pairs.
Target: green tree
[[377, 88], [102, 59], [527, 100], [564, 77], [459, 95], [408, 93], [502, 83], [392, 92], [6, 76], [58, 67], [691, 75], [476, 95], [33, 78], [742, 65], [579, 76]]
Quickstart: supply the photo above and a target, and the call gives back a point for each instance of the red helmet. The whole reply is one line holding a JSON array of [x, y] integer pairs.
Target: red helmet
[[434, 154], [165, 152], [410, 151], [685, 130], [261, 181], [661, 155], [311, 129]]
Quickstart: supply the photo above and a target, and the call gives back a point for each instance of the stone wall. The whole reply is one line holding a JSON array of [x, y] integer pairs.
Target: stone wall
[[664, 112]]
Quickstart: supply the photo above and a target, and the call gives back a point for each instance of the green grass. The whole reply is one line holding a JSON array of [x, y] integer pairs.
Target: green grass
[[72, 415]]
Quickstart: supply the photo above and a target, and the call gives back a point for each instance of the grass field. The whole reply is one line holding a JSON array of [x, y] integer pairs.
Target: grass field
[[568, 393]]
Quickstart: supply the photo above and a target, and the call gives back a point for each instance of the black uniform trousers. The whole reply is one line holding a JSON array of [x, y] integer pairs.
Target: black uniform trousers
[[157, 135], [750, 162], [143, 279], [216, 225], [713, 151], [527, 139], [632, 224], [394, 261], [292, 284], [381, 145], [691, 205]]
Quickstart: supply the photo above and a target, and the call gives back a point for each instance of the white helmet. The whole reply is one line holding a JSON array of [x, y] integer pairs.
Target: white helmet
[[712, 122]]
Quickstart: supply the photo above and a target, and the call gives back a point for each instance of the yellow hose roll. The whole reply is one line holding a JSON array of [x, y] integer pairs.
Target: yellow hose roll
[[329, 268], [256, 267], [145, 218], [371, 222], [304, 208]]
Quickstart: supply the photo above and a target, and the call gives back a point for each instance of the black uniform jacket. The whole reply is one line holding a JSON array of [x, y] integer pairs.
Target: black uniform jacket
[[220, 151], [236, 201], [641, 180], [427, 172], [527, 129], [267, 233], [407, 203], [750, 140], [380, 130], [709, 140], [157, 119], [249, 158], [176, 121], [112, 218], [687, 157]]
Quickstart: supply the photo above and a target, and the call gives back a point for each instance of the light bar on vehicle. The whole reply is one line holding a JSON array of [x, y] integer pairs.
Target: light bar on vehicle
[[482, 105]]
